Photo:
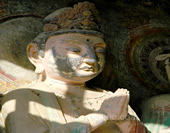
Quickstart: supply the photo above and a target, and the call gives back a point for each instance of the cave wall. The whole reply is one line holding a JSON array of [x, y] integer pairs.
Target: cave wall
[[135, 31]]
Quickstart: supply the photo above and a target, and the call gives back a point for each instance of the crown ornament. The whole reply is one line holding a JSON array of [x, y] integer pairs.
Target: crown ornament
[[83, 16]]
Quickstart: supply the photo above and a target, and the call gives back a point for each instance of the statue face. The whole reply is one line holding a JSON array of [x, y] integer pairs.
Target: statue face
[[74, 57]]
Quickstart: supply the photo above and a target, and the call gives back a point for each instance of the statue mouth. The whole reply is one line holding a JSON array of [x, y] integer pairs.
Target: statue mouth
[[89, 69], [86, 68]]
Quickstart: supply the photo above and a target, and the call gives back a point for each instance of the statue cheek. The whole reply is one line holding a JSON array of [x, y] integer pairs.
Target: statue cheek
[[74, 63], [101, 62], [59, 64], [63, 64]]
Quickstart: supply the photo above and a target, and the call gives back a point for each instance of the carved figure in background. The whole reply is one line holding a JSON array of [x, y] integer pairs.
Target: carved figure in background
[[69, 52], [165, 58], [156, 112]]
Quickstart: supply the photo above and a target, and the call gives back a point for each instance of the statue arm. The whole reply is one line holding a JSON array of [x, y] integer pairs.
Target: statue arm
[[20, 113], [16, 116], [83, 124], [131, 125], [88, 123], [22, 110]]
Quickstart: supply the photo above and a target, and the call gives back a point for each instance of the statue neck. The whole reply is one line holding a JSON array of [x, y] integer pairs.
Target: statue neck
[[65, 88]]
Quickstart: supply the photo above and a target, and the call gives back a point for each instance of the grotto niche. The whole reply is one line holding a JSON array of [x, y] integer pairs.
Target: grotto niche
[[137, 35]]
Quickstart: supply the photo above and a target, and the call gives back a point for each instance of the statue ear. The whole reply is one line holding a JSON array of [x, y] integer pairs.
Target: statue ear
[[36, 60], [33, 54]]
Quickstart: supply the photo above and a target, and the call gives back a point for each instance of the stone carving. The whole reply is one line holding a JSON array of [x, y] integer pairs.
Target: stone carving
[[156, 112], [165, 58], [69, 52], [150, 60]]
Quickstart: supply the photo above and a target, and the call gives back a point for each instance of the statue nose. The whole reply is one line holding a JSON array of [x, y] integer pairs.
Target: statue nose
[[91, 57], [89, 61]]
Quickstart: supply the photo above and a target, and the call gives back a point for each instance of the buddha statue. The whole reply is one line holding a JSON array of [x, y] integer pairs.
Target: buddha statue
[[69, 52]]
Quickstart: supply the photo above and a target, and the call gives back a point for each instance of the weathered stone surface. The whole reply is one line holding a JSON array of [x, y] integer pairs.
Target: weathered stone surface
[[156, 114], [19, 8], [121, 23], [15, 35]]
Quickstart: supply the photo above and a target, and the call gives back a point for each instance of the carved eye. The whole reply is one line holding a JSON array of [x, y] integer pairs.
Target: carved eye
[[100, 50], [74, 50]]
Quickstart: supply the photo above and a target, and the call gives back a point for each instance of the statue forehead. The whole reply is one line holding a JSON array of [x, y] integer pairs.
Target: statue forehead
[[75, 37], [42, 38]]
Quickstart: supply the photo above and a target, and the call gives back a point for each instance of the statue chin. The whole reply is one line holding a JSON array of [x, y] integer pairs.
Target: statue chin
[[77, 77]]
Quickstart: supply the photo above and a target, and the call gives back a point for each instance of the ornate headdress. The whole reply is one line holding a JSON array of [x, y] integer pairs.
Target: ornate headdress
[[82, 18], [83, 15]]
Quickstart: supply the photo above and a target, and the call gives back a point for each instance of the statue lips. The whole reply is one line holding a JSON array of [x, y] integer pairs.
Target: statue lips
[[89, 68]]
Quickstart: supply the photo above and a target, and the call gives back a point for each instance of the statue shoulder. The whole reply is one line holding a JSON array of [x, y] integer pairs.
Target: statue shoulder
[[22, 106], [25, 93]]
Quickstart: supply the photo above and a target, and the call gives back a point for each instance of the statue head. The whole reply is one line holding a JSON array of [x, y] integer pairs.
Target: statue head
[[71, 48]]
